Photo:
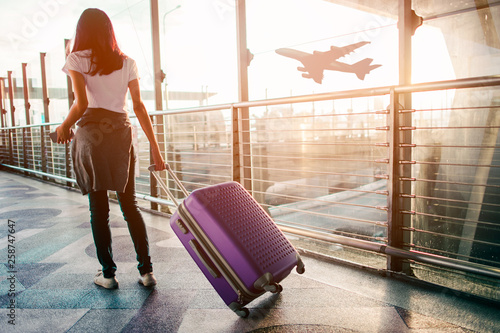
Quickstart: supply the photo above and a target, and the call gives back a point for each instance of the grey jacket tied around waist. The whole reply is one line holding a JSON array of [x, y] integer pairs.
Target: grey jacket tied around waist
[[102, 151]]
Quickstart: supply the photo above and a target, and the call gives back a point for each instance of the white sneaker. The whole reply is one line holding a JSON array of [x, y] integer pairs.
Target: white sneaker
[[108, 283], [147, 280]]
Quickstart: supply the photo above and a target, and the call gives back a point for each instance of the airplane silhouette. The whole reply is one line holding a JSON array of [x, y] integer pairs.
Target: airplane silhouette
[[317, 62]]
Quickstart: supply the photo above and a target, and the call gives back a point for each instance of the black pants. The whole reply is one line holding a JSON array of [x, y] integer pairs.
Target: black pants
[[99, 220]]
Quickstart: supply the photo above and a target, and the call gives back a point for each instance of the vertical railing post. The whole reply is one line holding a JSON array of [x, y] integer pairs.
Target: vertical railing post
[[26, 95], [158, 76], [12, 138], [46, 115], [11, 99], [243, 171], [237, 171], [3, 134], [3, 111], [27, 140], [45, 89], [11, 146]]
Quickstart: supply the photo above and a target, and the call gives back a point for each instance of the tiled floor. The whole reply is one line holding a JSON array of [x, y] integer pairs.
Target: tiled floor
[[55, 265]]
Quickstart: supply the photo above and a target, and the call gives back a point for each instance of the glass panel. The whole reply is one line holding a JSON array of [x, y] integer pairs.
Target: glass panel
[[57, 84], [198, 41], [457, 183], [17, 87], [317, 165], [33, 71], [132, 25], [457, 170], [458, 40], [199, 148], [321, 166], [4, 145], [4, 113]]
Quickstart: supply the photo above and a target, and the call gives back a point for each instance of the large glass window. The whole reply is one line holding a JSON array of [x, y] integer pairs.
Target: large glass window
[[198, 42], [457, 40]]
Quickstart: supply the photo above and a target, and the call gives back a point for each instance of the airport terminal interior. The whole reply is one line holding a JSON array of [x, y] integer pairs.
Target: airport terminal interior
[[368, 131]]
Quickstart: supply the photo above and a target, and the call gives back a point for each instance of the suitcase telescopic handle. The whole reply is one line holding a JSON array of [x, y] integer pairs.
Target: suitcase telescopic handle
[[151, 168]]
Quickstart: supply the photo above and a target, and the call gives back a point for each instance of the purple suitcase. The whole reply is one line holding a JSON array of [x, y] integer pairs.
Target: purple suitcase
[[234, 242]]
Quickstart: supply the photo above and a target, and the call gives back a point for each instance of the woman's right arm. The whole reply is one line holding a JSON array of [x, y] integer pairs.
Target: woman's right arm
[[77, 109], [143, 117]]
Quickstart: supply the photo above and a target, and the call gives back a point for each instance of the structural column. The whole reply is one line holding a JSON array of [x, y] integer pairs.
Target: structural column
[[27, 139], [26, 94], [158, 77], [4, 133], [242, 172], [45, 89], [46, 115], [400, 141], [12, 136], [3, 112], [11, 99]]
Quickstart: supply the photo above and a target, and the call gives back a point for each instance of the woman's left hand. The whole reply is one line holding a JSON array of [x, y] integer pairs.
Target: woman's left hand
[[63, 134]]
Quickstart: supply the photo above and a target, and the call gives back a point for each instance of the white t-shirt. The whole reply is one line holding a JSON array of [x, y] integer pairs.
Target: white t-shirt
[[103, 91]]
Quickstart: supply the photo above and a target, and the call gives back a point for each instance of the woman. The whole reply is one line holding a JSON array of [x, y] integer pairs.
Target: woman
[[102, 151]]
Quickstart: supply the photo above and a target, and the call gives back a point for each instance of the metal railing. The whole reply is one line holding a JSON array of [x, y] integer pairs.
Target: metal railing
[[416, 190]]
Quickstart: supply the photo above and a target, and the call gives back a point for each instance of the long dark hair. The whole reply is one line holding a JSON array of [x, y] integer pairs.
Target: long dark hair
[[95, 32]]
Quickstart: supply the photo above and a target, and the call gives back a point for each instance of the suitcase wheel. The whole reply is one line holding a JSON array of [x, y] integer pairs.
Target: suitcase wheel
[[243, 312], [239, 309], [274, 288], [300, 265], [280, 289]]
